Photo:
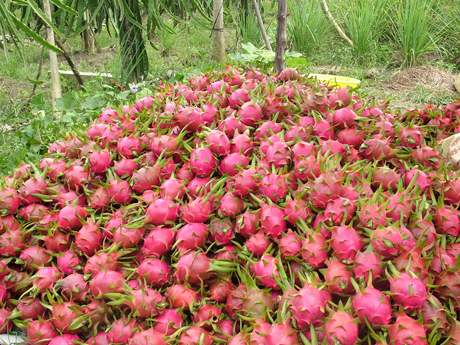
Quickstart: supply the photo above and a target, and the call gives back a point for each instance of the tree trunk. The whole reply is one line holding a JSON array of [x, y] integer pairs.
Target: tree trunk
[[334, 23], [55, 81], [261, 24], [88, 40], [218, 31], [281, 44]]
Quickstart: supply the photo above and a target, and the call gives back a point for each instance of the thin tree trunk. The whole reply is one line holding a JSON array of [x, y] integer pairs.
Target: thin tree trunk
[[218, 31], [55, 81], [261, 24], [88, 41], [70, 62], [67, 57], [334, 23], [281, 44], [39, 73]]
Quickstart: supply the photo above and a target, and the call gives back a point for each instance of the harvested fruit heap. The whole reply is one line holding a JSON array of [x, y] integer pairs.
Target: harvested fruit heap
[[239, 208]]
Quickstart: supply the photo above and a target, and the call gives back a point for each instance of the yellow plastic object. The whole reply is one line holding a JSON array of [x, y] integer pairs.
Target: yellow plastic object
[[336, 80]]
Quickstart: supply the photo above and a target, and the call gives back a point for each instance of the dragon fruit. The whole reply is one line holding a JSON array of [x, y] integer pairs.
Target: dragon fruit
[[341, 328], [345, 242], [407, 290], [372, 305], [406, 330]]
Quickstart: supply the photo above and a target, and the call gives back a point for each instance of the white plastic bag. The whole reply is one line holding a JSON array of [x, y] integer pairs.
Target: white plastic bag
[[450, 147]]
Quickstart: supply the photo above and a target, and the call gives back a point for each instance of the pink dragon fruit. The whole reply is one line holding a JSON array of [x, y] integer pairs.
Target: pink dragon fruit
[[372, 305], [406, 330], [345, 242], [367, 262], [341, 328], [314, 250], [407, 290], [154, 272]]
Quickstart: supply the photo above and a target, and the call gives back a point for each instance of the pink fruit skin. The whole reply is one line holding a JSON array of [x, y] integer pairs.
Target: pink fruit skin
[[406, 330], [282, 334], [192, 236], [258, 243], [89, 238], [65, 339], [272, 221], [180, 296], [345, 242], [154, 272], [409, 292], [70, 217], [162, 212], [341, 328], [267, 272], [373, 305], [308, 305], [168, 322], [366, 262], [314, 250], [339, 276], [39, 330], [159, 242]]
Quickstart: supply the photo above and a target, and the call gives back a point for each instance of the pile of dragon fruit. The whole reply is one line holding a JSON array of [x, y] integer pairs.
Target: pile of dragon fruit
[[238, 208]]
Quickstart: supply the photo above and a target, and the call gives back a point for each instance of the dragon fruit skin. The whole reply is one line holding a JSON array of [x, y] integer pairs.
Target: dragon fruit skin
[[168, 322], [39, 330], [323, 190], [314, 250], [191, 236], [337, 209], [282, 334], [408, 291], [406, 330], [387, 241], [65, 339], [341, 328], [447, 221], [339, 277], [272, 221], [433, 312], [373, 305], [267, 272], [154, 272], [366, 262], [308, 305], [345, 242], [258, 243], [180, 296], [202, 161]]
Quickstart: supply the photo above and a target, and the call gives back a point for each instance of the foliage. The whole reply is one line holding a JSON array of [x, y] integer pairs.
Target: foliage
[[27, 130], [364, 24], [248, 27], [307, 26], [262, 58], [413, 29]]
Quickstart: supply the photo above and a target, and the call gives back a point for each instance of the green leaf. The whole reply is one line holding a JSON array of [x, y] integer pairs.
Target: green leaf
[[42, 15], [64, 6], [93, 102], [66, 102], [293, 54], [249, 47], [34, 36], [123, 95], [35, 82]]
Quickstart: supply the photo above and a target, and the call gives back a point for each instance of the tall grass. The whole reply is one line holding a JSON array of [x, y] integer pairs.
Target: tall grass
[[449, 20], [413, 29], [248, 28], [364, 22], [307, 26]]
